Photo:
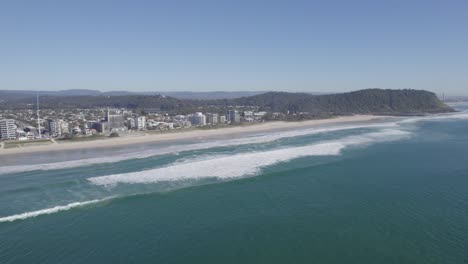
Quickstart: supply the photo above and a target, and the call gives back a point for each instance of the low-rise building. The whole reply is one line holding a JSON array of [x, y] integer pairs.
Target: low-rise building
[[182, 124], [249, 116]]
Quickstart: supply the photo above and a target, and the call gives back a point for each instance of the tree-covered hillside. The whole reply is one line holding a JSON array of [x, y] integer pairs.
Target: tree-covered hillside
[[370, 101]]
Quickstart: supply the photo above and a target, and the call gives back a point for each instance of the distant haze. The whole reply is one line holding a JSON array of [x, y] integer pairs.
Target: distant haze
[[181, 95]]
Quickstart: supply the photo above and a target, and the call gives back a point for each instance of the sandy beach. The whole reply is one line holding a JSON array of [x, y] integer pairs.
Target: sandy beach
[[186, 135]]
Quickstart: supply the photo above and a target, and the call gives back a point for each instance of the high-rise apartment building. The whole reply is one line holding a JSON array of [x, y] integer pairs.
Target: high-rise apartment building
[[7, 129], [233, 116]]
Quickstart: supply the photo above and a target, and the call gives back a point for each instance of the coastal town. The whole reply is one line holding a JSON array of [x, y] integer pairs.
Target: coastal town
[[26, 119], [24, 125]]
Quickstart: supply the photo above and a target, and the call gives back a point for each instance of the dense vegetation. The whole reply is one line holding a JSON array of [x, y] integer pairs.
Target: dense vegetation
[[370, 101]]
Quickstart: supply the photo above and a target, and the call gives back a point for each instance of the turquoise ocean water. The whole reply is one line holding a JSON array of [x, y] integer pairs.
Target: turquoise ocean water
[[389, 192]]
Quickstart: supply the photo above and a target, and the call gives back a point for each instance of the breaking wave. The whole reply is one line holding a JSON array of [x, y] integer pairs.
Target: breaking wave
[[220, 166], [245, 164], [256, 139], [47, 211], [223, 166], [440, 117]]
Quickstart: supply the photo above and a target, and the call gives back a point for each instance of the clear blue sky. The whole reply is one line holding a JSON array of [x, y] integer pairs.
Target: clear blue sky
[[313, 46]]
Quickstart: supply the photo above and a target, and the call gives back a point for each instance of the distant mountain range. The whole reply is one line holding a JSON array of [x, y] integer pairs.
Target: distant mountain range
[[369, 101], [14, 94]]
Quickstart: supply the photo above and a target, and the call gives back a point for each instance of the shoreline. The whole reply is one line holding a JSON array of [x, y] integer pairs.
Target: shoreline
[[186, 135]]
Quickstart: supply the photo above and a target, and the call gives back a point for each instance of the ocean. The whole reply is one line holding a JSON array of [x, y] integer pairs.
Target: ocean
[[394, 191]]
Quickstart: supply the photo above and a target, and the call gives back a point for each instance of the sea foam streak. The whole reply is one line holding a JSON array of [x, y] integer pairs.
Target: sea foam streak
[[256, 139], [244, 164], [440, 117], [52, 210], [217, 166]]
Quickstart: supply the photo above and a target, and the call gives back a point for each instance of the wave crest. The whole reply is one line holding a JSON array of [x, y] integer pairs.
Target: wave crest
[[46, 211], [244, 164], [255, 139]]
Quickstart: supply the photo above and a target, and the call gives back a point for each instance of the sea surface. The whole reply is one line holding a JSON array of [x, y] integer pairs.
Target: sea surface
[[395, 191]]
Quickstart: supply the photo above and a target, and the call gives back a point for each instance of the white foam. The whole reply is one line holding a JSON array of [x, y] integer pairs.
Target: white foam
[[256, 139], [439, 117], [244, 164], [49, 210]]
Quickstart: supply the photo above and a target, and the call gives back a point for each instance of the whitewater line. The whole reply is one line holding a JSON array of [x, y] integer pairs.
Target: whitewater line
[[47, 211], [255, 139], [244, 164]]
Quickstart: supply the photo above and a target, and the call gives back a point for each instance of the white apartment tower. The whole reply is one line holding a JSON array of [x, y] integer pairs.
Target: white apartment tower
[[212, 118], [233, 116], [140, 122], [57, 127], [222, 119], [7, 129], [198, 119], [54, 128]]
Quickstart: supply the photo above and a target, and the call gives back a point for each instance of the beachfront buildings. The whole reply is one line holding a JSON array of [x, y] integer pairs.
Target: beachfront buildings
[[115, 123], [212, 119], [233, 116], [63, 127], [22, 135], [102, 127], [198, 119], [140, 122], [137, 122], [77, 122], [182, 121], [54, 130], [222, 119], [131, 123], [57, 127], [249, 116], [7, 129]]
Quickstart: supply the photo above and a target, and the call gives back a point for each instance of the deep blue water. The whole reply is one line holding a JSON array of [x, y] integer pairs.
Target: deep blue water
[[392, 193]]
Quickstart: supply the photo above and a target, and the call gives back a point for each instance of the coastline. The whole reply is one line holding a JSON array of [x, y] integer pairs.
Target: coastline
[[187, 135]]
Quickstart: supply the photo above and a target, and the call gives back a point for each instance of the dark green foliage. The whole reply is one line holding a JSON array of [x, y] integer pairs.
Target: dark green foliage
[[370, 101], [302, 105]]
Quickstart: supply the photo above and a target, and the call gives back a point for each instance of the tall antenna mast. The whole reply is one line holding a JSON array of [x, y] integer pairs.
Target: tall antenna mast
[[38, 118]]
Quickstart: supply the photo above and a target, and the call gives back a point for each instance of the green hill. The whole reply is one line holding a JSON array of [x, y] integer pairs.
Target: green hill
[[370, 101]]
